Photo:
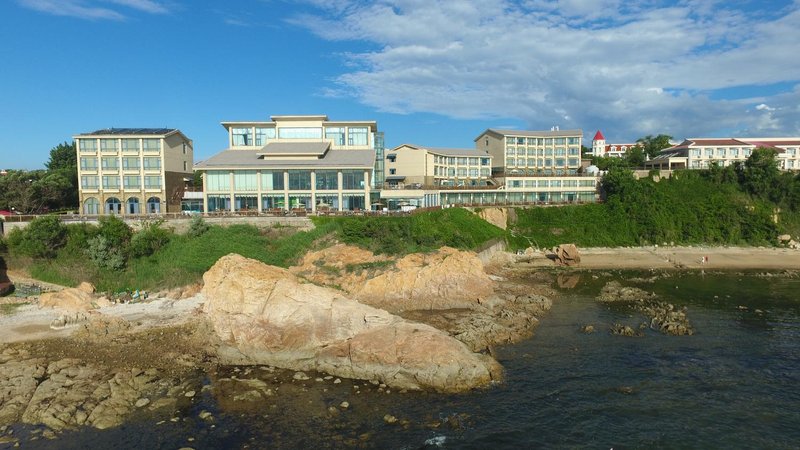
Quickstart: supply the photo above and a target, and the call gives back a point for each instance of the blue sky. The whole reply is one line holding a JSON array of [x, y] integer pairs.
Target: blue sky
[[430, 72]]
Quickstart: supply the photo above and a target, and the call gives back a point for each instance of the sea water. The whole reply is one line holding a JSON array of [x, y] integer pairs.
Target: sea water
[[735, 383]]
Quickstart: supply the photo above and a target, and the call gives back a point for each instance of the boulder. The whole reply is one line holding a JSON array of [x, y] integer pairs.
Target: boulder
[[70, 299], [784, 238], [266, 315], [495, 216], [567, 254], [445, 279]]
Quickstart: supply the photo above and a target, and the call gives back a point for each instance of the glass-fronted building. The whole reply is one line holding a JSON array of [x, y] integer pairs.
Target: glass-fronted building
[[292, 163]]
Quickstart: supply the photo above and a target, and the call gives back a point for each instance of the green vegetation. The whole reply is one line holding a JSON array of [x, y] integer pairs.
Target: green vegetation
[[454, 227], [113, 257], [733, 205], [41, 239], [34, 191], [368, 266]]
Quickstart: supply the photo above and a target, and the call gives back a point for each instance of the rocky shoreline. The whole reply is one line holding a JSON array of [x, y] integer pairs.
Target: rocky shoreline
[[91, 364]]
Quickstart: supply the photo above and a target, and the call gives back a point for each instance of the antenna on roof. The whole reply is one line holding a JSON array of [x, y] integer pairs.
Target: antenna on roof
[[554, 128]]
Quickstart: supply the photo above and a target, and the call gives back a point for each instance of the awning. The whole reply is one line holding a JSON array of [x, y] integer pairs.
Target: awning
[[395, 178]]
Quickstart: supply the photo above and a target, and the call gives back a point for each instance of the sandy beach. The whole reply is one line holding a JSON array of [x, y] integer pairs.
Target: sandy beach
[[717, 258]]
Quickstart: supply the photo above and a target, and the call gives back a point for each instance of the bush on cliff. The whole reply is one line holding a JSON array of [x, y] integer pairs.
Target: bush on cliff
[[422, 232], [40, 239]]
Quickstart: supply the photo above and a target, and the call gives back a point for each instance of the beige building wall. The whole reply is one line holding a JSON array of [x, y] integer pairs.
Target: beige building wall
[[173, 157], [410, 162], [495, 145]]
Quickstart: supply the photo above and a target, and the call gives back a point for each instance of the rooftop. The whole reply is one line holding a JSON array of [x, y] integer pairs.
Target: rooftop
[[255, 159], [528, 133], [447, 151], [131, 131]]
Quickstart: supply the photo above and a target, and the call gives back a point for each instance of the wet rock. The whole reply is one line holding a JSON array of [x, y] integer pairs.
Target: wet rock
[[344, 405], [142, 402], [624, 330], [587, 329], [300, 376], [390, 419]]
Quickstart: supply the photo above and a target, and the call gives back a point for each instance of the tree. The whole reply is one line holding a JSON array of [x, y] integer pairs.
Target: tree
[[63, 156], [40, 239], [652, 145], [760, 174], [635, 156]]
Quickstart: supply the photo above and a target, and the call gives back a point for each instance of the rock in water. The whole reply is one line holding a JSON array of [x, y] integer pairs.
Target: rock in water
[[567, 255], [265, 315]]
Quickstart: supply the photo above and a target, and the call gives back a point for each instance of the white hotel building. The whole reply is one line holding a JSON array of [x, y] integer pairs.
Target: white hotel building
[[701, 153]]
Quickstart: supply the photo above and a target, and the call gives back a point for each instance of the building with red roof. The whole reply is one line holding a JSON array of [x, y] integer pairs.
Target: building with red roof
[[601, 148], [701, 153]]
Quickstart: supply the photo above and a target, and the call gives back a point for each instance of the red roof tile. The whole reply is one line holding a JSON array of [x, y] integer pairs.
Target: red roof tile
[[598, 136]]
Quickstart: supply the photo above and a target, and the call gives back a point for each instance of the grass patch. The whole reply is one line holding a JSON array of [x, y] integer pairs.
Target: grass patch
[[423, 232], [369, 266]]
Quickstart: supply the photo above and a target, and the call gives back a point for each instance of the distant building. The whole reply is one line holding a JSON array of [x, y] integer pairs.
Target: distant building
[[133, 171], [294, 162], [601, 148], [414, 165], [701, 153], [542, 153]]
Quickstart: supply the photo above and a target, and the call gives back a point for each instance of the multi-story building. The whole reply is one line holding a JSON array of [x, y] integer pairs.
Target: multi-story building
[[601, 148], [293, 162], [414, 165], [515, 152], [703, 152], [133, 170], [527, 167]]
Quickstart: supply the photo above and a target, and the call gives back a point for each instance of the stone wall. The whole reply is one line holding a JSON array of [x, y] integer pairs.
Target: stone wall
[[181, 225]]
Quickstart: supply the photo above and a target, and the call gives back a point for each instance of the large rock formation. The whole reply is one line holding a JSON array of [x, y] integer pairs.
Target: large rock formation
[[445, 279], [80, 298], [495, 216], [268, 316]]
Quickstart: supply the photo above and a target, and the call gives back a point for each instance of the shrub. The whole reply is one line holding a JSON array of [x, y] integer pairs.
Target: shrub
[[40, 239], [78, 236], [104, 254], [116, 231], [151, 238], [3, 245], [197, 227]]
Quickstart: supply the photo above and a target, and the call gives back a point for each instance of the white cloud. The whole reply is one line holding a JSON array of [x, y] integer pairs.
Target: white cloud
[[631, 70], [93, 9]]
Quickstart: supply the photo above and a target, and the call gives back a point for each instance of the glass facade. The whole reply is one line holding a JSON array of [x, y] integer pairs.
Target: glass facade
[[299, 180], [263, 135], [300, 133], [327, 180], [358, 136]]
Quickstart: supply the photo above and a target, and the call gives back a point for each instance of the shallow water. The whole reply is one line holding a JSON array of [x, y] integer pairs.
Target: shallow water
[[734, 384]]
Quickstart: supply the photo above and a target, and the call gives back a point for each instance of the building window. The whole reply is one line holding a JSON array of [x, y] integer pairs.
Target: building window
[[108, 145], [131, 182], [392, 157], [573, 141], [392, 171], [353, 179], [336, 134], [263, 135], [358, 136], [241, 136], [184, 166], [272, 180], [151, 145], [91, 206], [184, 149], [87, 145], [130, 145], [113, 206], [152, 182], [133, 205], [299, 180], [218, 180], [89, 182], [327, 180], [111, 182], [110, 163], [88, 163], [130, 163], [486, 141], [152, 163], [245, 180], [486, 161], [154, 205], [300, 133]]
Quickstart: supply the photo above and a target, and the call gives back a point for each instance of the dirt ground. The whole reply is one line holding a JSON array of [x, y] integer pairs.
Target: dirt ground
[[717, 258]]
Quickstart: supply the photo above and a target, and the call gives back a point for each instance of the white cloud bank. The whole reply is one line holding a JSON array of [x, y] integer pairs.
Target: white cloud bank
[[94, 9], [630, 70]]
